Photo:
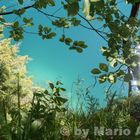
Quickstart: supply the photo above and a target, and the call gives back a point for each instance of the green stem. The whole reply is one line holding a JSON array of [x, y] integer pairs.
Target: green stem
[[19, 108]]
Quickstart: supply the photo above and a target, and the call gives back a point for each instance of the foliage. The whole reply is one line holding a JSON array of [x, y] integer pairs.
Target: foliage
[[29, 113], [32, 113], [12, 74], [119, 31], [26, 111]]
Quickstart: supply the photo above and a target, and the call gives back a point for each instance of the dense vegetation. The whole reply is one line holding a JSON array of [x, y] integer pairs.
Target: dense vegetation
[[29, 112]]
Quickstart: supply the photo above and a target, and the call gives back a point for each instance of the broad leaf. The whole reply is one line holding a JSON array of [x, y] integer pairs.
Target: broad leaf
[[102, 78], [72, 8], [61, 99], [103, 67], [127, 77], [95, 71], [112, 78], [20, 1]]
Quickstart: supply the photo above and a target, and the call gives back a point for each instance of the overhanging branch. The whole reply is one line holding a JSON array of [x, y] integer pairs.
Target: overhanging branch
[[134, 10], [12, 12]]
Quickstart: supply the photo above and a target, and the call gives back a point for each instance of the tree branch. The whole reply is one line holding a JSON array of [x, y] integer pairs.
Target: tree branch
[[12, 12], [93, 27], [46, 14], [134, 13], [134, 10], [58, 17], [90, 24], [89, 28]]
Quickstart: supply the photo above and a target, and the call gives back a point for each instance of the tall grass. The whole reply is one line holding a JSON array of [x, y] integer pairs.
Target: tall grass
[[49, 117]]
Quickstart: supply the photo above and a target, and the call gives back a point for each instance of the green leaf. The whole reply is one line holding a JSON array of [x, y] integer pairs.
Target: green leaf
[[17, 32], [16, 24], [94, 0], [38, 94], [127, 77], [102, 78], [72, 8], [51, 2], [51, 35], [28, 22], [112, 78], [62, 100], [20, 1], [68, 41], [42, 3], [73, 48], [79, 50], [103, 67], [120, 73], [113, 62], [95, 71], [51, 85], [46, 92], [62, 39], [19, 12], [59, 83], [62, 89], [75, 21], [99, 19]]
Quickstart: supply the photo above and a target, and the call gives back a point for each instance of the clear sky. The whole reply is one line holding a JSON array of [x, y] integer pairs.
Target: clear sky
[[52, 60]]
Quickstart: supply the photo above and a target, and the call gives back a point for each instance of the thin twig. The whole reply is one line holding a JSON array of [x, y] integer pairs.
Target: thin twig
[[92, 27], [50, 15]]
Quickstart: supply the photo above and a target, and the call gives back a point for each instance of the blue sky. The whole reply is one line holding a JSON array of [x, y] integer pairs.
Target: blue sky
[[52, 60]]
